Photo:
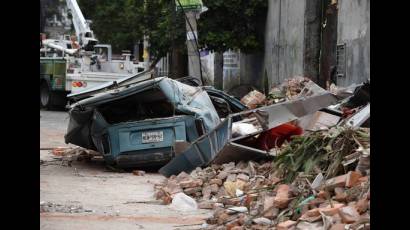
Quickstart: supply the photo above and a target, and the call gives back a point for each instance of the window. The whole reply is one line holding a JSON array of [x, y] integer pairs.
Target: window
[[341, 60]]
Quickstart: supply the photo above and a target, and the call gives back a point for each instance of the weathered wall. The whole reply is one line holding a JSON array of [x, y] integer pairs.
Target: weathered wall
[[292, 39], [251, 70], [284, 39], [354, 30], [312, 39]]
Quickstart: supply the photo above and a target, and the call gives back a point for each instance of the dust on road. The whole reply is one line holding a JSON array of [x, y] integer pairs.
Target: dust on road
[[108, 200]]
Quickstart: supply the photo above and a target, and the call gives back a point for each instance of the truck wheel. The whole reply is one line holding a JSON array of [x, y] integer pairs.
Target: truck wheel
[[45, 96]]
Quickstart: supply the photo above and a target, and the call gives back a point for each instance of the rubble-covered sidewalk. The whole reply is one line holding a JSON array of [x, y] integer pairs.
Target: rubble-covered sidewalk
[[316, 180]]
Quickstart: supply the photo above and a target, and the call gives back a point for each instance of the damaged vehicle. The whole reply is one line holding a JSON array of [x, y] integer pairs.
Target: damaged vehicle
[[145, 122]]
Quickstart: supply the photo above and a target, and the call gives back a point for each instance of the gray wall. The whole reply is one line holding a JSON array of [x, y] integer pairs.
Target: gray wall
[[292, 40], [284, 39], [354, 30], [293, 43], [251, 70]]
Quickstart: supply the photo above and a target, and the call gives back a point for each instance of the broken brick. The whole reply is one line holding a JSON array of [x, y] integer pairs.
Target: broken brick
[[231, 224], [222, 175], [237, 228], [216, 181], [316, 202], [286, 225], [340, 197], [217, 205], [243, 177], [189, 183], [363, 179], [206, 205], [231, 177], [336, 218], [182, 176], [312, 212], [339, 181], [282, 196], [190, 191], [214, 188], [352, 178], [274, 180], [222, 218], [330, 211], [166, 200], [172, 187], [362, 205], [349, 215], [323, 195], [206, 192], [138, 172], [339, 190], [340, 194], [268, 207], [338, 227], [197, 194]]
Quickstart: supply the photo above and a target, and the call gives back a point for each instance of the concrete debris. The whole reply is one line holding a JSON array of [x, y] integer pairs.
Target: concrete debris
[[233, 210], [286, 225], [349, 215], [67, 208], [138, 173], [253, 99], [241, 129], [262, 221], [318, 179], [184, 203], [291, 89], [261, 195]]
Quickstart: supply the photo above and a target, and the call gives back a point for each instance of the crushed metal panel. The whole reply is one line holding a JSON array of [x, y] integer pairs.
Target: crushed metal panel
[[191, 100], [139, 77], [359, 118], [123, 138], [236, 152], [196, 155]]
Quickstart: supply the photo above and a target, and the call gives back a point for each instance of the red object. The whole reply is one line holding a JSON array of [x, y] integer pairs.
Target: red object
[[276, 136], [346, 112]]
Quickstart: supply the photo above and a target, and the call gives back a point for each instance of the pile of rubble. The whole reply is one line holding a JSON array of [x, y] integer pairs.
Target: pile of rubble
[[290, 89], [317, 181]]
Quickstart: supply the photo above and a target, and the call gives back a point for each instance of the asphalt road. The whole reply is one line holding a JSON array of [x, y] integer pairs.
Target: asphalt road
[[108, 200]]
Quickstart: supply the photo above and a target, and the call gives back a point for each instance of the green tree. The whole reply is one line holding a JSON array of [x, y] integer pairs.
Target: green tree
[[233, 24], [122, 23], [115, 22]]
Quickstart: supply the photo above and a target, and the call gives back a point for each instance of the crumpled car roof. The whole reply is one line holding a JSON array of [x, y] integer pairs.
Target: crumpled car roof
[[185, 99]]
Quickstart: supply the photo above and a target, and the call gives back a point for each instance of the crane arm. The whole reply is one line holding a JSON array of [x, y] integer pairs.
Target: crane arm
[[82, 29]]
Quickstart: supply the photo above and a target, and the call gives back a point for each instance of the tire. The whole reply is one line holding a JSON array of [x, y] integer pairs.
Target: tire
[[45, 96]]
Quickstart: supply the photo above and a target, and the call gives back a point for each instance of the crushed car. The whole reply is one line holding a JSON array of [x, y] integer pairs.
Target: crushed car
[[145, 122]]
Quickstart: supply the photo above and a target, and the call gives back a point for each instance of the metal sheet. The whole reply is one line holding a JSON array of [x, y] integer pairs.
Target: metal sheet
[[236, 152], [359, 118], [220, 138]]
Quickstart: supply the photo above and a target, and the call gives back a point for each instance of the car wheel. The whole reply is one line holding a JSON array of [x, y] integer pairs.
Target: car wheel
[[45, 96]]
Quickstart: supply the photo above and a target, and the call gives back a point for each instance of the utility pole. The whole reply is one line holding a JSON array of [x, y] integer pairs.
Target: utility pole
[[192, 9], [193, 55], [146, 53]]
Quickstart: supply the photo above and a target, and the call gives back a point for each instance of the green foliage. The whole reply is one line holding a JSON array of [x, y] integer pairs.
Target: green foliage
[[164, 26], [323, 150], [115, 22], [122, 23], [233, 24]]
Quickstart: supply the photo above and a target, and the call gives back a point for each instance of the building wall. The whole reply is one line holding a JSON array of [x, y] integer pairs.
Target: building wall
[[292, 45], [354, 30], [285, 40]]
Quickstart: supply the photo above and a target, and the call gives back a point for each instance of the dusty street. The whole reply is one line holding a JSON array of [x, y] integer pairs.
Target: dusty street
[[88, 196]]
